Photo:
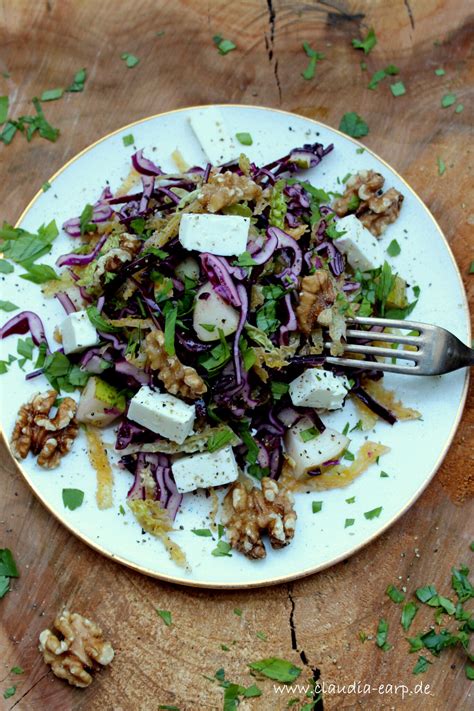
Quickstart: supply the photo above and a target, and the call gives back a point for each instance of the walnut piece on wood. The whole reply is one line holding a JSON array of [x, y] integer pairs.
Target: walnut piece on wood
[[247, 515], [224, 189], [50, 438], [363, 196], [316, 295], [75, 648], [177, 378]]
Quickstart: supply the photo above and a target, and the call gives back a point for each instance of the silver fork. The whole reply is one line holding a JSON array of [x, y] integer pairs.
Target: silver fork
[[437, 350]]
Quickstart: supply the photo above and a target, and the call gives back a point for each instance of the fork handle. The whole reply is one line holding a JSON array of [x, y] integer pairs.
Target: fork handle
[[462, 357]]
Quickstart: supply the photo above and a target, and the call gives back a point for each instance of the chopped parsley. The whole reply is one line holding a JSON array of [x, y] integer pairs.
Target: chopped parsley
[[203, 532], [384, 475], [351, 500], [460, 583], [426, 593], [244, 260], [309, 434], [24, 247], [72, 498], [237, 611], [279, 389], [394, 594], [8, 306], [8, 570], [244, 138], [378, 76], [314, 58], [165, 616], [393, 249], [224, 46], [16, 670], [262, 636], [4, 104], [374, 513], [316, 506], [408, 614], [349, 522], [353, 125], [8, 693], [51, 94], [381, 637], [121, 510], [128, 140], [79, 81], [439, 72], [62, 374], [129, 59], [5, 267], [220, 439], [39, 274], [222, 550], [277, 669], [367, 43], [459, 108], [441, 165], [448, 100], [170, 327], [421, 665], [100, 323], [398, 89], [46, 186]]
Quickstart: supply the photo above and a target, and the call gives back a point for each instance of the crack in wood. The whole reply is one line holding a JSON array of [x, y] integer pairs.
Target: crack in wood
[[410, 13], [315, 672], [269, 43], [30, 689]]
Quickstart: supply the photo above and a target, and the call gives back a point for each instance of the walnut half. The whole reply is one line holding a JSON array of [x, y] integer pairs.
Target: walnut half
[[224, 189], [247, 515], [48, 437], [317, 294], [75, 649], [363, 197], [177, 378]]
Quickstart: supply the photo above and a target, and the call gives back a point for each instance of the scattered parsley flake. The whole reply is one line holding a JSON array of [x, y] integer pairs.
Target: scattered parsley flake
[[237, 611], [316, 506], [165, 616], [7, 306], [439, 72], [4, 585], [314, 58], [353, 125], [51, 94], [222, 550], [309, 434], [72, 498], [244, 138], [128, 140], [408, 614], [351, 500], [426, 593], [469, 672], [121, 510], [8, 693], [220, 439], [223, 45], [471, 271], [374, 513], [448, 100], [5, 267], [383, 475], [398, 89], [421, 665], [459, 108], [394, 594], [262, 636], [277, 669], [381, 637], [16, 670], [203, 532], [349, 522], [368, 43], [441, 166], [393, 249], [170, 327], [46, 186], [4, 104], [79, 81], [129, 59]]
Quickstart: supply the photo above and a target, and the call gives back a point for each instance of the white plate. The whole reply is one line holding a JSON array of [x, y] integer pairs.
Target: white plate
[[417, 448]]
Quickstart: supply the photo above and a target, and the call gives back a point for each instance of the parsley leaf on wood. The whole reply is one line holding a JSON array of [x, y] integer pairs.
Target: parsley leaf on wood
[[165, 616], [51, 94], [223, 45], [394, 594], [4, 104], [129, 59], [314, 58], [277, 669], [368, 43], [408, 614], [7, 564], [448, 100], [352, 124], [78, 82]]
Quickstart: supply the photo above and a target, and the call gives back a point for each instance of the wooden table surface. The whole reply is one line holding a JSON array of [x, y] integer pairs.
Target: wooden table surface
[[314, 622]]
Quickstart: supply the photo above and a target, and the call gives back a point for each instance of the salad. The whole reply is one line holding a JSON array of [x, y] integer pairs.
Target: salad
[[199, 311]]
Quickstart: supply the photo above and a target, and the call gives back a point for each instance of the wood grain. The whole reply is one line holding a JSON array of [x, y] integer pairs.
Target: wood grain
[[313, 622]]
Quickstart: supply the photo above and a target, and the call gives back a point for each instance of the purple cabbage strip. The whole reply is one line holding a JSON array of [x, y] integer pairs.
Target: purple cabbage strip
[[160, 468], [65, 302], [244, 307], [101, 212], [148, 183], [291, 323], [69, 260], [22, 323], [285, 241], [144, 166], [217, 271]]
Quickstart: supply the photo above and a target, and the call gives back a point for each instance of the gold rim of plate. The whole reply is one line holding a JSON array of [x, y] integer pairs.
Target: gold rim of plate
[[307, 571]]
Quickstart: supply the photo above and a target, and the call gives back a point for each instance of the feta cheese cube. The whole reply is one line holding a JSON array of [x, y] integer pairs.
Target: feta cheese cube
[[311, 453], [77, 332], [361, 248], [162, 413], [212, 315], [205, 469], [224, 235], [211, 132], [319, 388]]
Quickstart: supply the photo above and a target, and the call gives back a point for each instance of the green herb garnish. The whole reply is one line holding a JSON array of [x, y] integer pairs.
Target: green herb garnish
[[441, 166], [78, 82], [99, 322], [129, 59], [314, 58], [244, 138], [222, 550], [448, 100], [394, 594], [374, 513], [368, 43], [398, 89], [223, 45], [165, 616], [51, 94], [277, 669], [203, 532], [381, 637], [393, 249], [72, 498], [408, 614], [220, 439], [353, 125], [310, 433], [421, 665], [128, 140]]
